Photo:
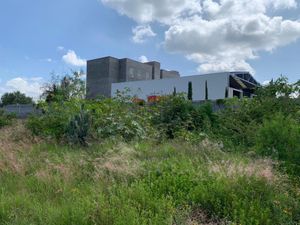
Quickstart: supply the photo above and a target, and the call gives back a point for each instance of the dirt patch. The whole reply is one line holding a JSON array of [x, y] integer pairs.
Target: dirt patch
[[201, 217]]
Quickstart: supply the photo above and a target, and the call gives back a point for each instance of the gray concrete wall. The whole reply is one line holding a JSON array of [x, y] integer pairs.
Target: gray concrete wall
[[101, 73], [137, 71], [155, 70], [114, 70], [164, 74], [98, 81], [217, 84], [21, 111]]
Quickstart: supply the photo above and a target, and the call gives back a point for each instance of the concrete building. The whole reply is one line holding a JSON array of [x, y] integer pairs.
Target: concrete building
[[103, 72], [106, 76], [218, 86]]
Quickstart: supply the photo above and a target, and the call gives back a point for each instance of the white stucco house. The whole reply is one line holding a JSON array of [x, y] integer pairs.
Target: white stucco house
[[216, 85]]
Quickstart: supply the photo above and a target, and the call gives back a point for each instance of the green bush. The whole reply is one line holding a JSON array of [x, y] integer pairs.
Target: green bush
[[55, 119], [238, 122], [176, 113], [6, 118], [107, 118], [173, 114], [117, 118], [279, 138]]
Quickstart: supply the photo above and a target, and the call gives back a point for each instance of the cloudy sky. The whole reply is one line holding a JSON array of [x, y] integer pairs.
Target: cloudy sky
[[39, 38]]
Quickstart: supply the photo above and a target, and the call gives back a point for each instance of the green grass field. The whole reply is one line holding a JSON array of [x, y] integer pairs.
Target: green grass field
[[139, 183]]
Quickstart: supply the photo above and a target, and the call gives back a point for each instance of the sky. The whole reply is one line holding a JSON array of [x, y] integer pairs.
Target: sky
[[41, 38]]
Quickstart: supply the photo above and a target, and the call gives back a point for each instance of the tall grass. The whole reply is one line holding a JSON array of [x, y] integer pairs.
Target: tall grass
[[142, 183]]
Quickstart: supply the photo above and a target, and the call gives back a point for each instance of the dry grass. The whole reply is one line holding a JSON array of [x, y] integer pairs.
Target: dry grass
[[120, 161], [14, 139], [261, 168], [65, 171], [16, 145]]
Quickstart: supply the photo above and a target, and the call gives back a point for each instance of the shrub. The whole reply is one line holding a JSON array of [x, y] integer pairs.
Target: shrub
[[173, 114], [55, 119], [203, 117], [6, 118], [279, 137], [242, 117], [237, 124], [176, 113], [115, 118], [78, 127]]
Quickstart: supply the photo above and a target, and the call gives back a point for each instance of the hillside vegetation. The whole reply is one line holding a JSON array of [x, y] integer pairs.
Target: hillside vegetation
[[110, 161]]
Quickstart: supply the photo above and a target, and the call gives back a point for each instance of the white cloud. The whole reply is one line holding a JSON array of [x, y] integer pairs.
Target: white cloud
[[145, 11], [30, 86], [227, 44], [216, 34], [266, 82], [141, 33], [49, 60], [60, 48], [143, 59], [72, 59]]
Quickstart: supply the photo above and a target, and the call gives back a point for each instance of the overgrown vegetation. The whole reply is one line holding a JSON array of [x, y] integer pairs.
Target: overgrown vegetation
[[269, 124], [6, 118], [112, 161]]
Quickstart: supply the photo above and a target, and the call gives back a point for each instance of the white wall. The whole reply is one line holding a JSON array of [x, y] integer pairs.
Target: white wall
[[216, 83]]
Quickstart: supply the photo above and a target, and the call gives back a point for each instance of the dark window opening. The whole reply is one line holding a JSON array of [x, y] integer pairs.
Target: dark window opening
[[236, 94]]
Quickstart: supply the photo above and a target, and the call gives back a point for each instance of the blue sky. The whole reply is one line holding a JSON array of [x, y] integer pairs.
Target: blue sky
[[41, 37]]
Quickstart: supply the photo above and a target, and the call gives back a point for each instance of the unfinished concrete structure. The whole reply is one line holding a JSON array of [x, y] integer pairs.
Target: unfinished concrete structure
[[103, 72]]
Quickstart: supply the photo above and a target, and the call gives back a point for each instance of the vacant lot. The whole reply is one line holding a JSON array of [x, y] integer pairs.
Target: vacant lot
[[139, 183]]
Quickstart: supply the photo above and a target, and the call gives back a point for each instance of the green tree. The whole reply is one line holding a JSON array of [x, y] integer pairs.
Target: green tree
[[226, 92], [174, 91], [65, 88], [206, 91], [278, 88], [15, 98], [190, 91]]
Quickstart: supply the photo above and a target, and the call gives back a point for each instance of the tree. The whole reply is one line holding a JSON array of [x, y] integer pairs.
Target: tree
[[15, 98], [206, 91], [278, 88], [65, 88], [174, 91], [190, 91], [226, 92]]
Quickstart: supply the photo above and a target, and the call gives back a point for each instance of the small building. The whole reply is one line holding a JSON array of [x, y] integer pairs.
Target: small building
[[107, 76]]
